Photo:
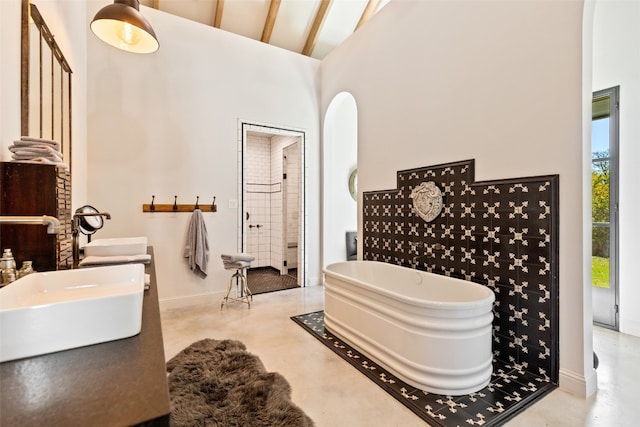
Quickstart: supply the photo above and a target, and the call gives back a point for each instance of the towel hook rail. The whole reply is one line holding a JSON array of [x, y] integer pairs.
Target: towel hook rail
[[175, 207]]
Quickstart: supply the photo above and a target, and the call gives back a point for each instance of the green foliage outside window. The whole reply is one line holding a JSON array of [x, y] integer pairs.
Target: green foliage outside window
[[600, 272], [600, 190]]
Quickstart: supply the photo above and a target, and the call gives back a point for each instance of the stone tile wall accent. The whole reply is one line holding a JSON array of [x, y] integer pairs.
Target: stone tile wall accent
[[502, 234]]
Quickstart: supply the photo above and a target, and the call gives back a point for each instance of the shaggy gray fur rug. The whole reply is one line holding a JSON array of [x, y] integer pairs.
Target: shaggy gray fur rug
[[218, 383]]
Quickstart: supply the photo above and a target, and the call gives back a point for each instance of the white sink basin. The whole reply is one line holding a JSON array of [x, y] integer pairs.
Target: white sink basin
[[47, 312], [116, 246]]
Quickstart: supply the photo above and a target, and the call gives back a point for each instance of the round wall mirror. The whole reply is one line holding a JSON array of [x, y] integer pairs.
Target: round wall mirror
[[353, 184], [89, 224]]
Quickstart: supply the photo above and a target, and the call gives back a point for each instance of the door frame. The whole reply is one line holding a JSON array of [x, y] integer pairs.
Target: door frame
[[609, 298], [251, 126], [285, 209]]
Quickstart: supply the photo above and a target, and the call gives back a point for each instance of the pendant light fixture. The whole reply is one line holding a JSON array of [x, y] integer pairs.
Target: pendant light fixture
[[122, 25]]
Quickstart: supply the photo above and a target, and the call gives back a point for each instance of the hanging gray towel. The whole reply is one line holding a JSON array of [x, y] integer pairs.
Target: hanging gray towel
[[197, 247]]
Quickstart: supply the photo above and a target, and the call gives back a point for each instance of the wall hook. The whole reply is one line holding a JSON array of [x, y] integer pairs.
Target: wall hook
[[175, 203], [197, 206], [152, 207], [214, 208]]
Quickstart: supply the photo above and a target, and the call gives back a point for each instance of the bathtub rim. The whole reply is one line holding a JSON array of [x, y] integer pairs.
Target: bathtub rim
[[420, 302]]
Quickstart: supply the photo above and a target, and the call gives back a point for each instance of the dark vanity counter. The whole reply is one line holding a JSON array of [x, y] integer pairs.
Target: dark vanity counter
[[117, 383]]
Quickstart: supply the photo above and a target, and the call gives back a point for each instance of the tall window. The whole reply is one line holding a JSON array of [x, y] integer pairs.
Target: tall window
[[604, 208]]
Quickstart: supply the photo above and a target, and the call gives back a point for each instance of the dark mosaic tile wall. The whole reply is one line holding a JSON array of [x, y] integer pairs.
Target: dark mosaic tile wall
[[502, 234]]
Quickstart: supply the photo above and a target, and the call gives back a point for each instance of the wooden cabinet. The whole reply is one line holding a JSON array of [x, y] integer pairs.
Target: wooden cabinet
[[34, 190]]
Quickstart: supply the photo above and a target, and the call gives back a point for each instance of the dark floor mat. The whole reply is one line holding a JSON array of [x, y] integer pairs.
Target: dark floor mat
[[269, 280]]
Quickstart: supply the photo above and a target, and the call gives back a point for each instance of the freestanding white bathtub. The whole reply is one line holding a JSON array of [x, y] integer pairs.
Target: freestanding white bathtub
[[431, 331]]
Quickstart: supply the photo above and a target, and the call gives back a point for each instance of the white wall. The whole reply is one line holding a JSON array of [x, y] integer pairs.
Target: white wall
[[67, 21], [10, 75], [166, 124], [616, 61], [340, 152], [438, 82]]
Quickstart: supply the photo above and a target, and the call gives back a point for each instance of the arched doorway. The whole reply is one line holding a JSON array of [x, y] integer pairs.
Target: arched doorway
[[339, 161]]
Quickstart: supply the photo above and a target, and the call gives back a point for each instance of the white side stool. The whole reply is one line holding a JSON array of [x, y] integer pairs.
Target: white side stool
[[241, 273]]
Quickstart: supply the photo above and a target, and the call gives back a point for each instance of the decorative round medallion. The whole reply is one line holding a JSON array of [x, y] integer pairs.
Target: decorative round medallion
[[427, 200], [353, 184]]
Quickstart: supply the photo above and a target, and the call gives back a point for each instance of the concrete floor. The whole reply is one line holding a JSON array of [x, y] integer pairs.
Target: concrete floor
[[333, 393]]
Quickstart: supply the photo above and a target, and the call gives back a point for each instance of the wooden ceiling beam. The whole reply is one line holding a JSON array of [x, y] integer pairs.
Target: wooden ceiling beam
[[270, 21], [368, 12], [218, 18], [312, 38]]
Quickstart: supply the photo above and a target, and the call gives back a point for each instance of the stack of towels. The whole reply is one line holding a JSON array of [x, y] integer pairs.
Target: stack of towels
[[93, 260], [236, 261], [37, 150]]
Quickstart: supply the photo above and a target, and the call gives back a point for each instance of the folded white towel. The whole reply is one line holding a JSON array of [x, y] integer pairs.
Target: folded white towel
[[237, 257], [36, 151], [24, 143], [30, 140], [236, 265], [36, 159], [16, 156], [119, 259], [33, 144]]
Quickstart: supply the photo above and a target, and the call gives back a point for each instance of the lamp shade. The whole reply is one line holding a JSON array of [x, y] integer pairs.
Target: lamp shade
[[122, 25]]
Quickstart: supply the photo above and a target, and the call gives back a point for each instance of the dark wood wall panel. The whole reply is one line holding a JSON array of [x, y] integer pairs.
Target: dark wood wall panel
[[34, 190]]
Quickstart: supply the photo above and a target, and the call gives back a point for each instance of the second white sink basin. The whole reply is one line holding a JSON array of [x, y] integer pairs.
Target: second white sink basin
[[116, 246], [47, 312]]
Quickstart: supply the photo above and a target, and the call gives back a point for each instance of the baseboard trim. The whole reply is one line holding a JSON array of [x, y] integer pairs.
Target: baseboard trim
[[578, 384], [630, 326], [191, 300], [313, 281], [200, 299]]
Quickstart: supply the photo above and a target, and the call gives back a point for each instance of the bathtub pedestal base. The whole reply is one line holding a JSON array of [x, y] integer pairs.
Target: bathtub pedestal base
[[438, 381]]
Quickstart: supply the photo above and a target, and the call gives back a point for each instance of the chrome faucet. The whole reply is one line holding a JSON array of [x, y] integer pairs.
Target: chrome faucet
[[430, 253], [52, 223], [424, 257]]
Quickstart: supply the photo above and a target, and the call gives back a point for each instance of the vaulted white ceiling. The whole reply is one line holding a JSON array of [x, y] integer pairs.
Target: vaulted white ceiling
[[308, 27]]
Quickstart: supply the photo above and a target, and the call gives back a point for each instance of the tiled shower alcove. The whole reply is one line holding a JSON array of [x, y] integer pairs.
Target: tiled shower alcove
[[502, 234]]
